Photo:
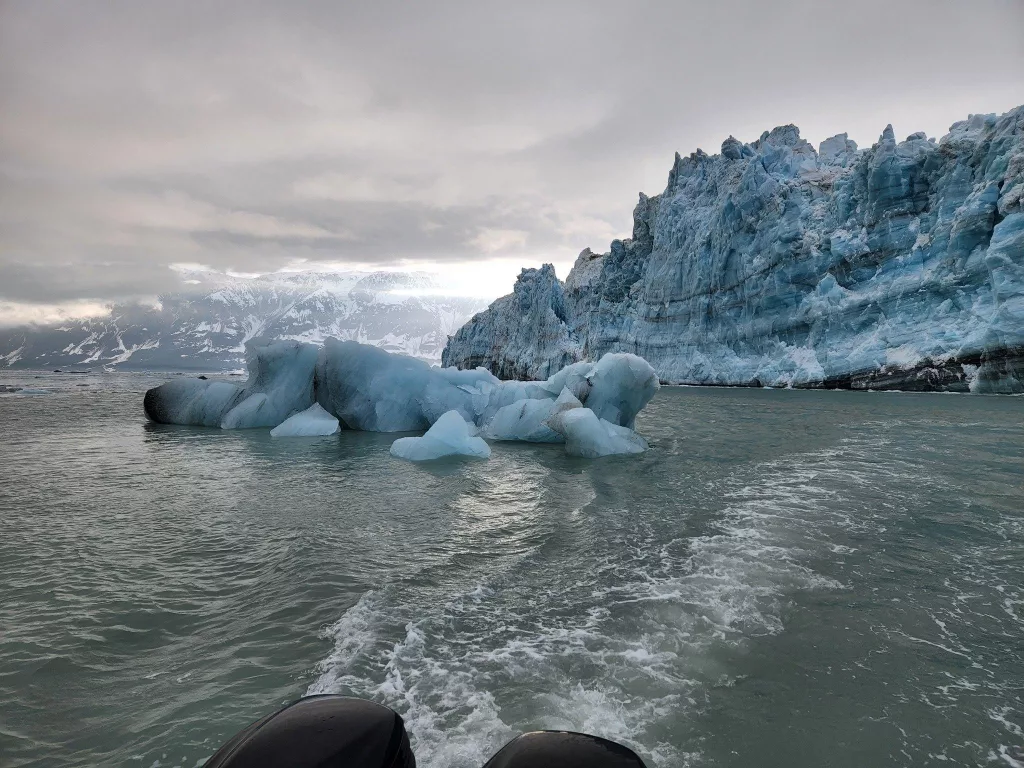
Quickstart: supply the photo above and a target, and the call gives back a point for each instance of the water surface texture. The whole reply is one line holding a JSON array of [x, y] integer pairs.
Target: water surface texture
[[788, 578]]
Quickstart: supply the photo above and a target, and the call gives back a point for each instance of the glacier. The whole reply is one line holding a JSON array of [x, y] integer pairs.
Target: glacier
[[899, 266], [299, 388]]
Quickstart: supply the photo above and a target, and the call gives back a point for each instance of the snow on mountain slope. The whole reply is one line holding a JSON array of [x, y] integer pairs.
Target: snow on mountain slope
[[205, 325]]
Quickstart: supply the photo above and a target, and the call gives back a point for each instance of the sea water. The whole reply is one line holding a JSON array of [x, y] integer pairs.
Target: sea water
[[787, 578]]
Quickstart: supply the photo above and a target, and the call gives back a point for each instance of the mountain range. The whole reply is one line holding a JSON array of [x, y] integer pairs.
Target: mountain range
[[204, 326]]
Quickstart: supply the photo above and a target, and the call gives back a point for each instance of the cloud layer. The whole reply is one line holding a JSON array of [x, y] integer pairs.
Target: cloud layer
[[471, 135]]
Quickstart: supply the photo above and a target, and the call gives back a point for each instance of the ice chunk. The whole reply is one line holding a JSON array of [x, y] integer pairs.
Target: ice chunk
[[280, 383], [371, 389], [616, 387], [191, 401], [590, 437], [525, 419], [311, 422], [365, 387], [450, 436], [620, 386]]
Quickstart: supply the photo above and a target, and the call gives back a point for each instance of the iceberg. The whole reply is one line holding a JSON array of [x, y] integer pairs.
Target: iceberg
[[591, 437], [312, 422], [280, 383], [195, 402], [526, 420], [370, 389], [450, 435], [299, 389], [620, 385], [898, 266]]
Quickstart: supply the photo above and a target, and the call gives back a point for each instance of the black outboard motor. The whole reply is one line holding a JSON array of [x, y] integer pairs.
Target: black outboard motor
[[563, 749], [321, 732], [342, 732]]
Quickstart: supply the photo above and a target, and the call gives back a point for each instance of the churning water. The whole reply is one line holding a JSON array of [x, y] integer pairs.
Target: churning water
[[785, 579]]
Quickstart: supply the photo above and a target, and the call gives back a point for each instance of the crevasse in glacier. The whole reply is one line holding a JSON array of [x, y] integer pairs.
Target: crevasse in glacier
[[900, 266], [301, 389]]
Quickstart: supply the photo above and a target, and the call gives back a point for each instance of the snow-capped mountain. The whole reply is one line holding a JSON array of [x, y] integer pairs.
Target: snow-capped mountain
[[205, 325]]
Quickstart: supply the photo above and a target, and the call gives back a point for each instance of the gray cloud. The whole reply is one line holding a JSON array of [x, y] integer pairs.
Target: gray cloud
[[249, 135]]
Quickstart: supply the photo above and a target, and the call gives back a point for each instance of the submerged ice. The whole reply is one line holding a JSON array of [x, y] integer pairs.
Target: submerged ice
[[300, 389]]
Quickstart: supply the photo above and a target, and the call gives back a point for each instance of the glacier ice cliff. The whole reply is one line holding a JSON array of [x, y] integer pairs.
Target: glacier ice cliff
[[900, 266], [300, 388]]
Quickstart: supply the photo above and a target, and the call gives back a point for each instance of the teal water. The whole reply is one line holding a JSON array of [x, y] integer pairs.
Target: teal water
[[786, 579]]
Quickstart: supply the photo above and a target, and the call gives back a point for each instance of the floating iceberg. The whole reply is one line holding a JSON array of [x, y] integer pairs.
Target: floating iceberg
[[526, 420], [619, 386], [450, 435], [312, 422], [370, 389], [299, 388], [280, 384], [588, 436]]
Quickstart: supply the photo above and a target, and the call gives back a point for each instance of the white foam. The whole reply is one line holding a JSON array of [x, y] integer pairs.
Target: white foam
[[619, 650], [353, 634]]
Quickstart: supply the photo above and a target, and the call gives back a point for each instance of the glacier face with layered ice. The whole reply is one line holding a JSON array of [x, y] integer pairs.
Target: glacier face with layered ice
[[773, 264]]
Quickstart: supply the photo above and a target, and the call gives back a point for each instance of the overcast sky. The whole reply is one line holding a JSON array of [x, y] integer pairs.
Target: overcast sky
[[473, 138]]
